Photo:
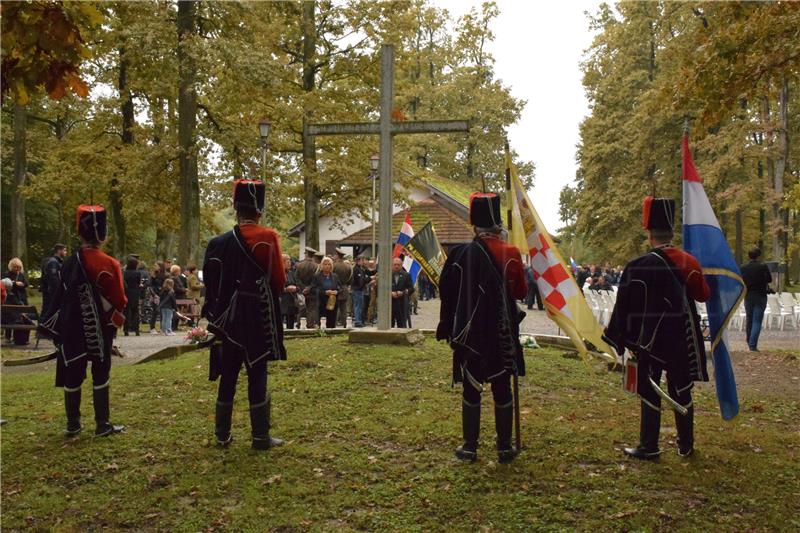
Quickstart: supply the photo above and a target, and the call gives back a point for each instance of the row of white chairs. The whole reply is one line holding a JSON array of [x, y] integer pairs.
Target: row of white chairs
[[781, 308], [601, 303]]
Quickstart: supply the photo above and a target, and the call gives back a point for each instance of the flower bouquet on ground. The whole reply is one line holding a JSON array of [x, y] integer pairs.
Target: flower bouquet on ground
[[196, 335], [528, 341]]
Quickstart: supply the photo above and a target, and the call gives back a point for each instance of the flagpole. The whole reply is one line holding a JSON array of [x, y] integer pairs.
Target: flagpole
[[508, 187], [517, 434]]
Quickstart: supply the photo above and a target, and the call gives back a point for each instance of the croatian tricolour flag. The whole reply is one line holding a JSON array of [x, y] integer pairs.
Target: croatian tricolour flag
[[406, 232], [703, 238]]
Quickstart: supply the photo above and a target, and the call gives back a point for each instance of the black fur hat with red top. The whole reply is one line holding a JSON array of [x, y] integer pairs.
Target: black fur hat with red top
[[484, 210], [91, 222], [248, 194], [658, 214]]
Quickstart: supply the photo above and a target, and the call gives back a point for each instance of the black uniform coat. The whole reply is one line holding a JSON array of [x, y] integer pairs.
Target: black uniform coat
[[73, 319], [655, 319], [477, 317], [239, 305]]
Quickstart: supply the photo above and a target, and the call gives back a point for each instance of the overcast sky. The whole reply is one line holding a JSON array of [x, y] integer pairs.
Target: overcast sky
[[538, 48]]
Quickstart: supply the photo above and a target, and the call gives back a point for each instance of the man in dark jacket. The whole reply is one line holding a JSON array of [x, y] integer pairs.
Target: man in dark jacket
[[305, 271], [244, 277], [289, 296], [357, 286], [480, 284], [757, 278], [51, 274], [402, 287], [655, 318], [344, 271], [83, 318], [134, 286]]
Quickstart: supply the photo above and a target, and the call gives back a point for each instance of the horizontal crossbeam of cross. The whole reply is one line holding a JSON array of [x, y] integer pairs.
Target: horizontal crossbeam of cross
[[372, 128]]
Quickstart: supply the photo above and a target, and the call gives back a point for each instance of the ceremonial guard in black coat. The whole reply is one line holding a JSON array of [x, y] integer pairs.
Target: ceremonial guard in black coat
[[83, 318], [244, 277], [479, 318], [655, 317]]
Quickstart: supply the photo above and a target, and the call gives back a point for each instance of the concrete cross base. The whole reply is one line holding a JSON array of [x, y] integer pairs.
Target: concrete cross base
[[400, 337]]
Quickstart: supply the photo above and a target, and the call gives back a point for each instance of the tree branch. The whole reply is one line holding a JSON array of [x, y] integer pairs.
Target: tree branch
[[210, 117]]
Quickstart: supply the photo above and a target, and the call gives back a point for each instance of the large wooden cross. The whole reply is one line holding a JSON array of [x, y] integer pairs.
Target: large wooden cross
[[387, 130]]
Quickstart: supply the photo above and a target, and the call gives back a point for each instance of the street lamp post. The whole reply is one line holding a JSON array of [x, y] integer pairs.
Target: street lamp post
[[373, 165], [263, 129]]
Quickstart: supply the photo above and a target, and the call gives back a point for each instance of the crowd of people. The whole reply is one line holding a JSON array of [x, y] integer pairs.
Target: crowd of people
[[333, 289], [165, 296]]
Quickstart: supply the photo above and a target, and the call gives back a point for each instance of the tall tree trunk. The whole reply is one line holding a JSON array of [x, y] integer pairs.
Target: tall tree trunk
[[778, 212], [311, 191], [164, 237], [739, 239], [115, 194], [187, 120], [794, 256], [19, 235], [765, 119]]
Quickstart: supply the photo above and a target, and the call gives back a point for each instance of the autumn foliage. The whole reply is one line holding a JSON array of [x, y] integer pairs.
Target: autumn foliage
[[43, 47]]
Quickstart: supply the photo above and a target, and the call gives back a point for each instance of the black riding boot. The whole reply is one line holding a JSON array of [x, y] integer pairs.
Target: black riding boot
[[222, 425], [648, 435], [685, 425], [72, 403], [101, 412], [470, 425], [259, 422], [503, 421]]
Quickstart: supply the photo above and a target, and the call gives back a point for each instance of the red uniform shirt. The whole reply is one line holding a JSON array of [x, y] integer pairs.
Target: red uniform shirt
[[264, 244], [696, 286], [509, 261], [105, 273]]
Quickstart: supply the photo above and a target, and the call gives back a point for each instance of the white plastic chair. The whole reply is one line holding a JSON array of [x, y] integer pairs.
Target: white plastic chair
[[740, 318], [790, 304], [594, 304], [776, 312]]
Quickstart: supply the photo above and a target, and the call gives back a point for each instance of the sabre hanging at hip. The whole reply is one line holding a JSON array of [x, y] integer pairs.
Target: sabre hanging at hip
[[666, 397]]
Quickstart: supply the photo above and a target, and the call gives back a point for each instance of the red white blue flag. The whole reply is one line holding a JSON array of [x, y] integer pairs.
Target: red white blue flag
[[409, 264], [703, 238]]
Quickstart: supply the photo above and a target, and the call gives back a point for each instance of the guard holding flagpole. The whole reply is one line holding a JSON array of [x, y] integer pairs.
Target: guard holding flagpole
[[656, 319], [244, 278], [479, 318], [83, 318]]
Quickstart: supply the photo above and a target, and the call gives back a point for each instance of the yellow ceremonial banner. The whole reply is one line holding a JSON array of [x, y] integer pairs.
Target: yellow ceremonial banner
[[563, 300]]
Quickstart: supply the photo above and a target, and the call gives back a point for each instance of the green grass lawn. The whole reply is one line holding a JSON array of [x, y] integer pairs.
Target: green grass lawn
[[371, 433]]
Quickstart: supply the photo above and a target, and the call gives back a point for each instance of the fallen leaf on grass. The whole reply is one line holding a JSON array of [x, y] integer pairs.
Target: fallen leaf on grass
[[372, 459], [112, 467], [621, 514], [272, 479]]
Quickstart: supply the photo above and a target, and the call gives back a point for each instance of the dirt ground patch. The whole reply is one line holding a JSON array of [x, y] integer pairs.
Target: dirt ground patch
[[772, 373]]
